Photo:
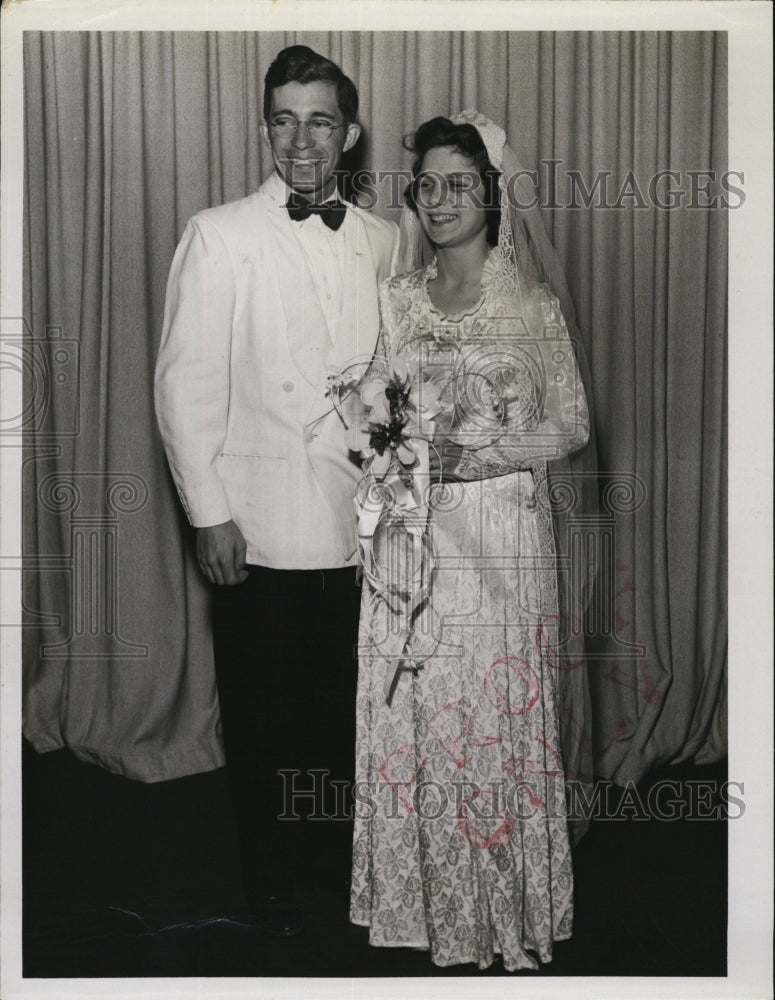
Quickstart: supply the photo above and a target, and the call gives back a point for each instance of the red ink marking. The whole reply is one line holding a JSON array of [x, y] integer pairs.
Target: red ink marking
[[649, 692], [511, 686], [572, 724], [612, 735], [401, 771], [550, 654], [477, 817], [541, 738], [519, 767], [454, 726]]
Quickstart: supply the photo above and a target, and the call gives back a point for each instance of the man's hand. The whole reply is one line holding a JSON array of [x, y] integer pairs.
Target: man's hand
[[221, 550]]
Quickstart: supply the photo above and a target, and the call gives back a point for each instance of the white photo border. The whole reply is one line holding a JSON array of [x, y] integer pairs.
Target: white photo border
[[750, 463]]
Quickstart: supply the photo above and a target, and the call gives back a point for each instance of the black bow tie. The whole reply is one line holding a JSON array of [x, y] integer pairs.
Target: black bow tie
[[331, 212]]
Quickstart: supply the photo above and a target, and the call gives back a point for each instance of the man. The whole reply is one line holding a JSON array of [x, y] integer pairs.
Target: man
[[265, 296]]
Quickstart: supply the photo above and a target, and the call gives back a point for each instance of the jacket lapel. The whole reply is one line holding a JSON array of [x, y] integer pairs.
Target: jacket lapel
[[306, 329], [356, 337]]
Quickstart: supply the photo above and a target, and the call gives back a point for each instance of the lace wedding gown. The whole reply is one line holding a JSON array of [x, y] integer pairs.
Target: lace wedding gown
[[461, 842]]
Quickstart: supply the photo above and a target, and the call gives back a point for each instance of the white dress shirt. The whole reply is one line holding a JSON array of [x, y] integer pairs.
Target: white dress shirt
[[324, 249]]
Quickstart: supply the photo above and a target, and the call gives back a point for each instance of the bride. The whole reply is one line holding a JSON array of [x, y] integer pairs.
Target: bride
[[461, 835]]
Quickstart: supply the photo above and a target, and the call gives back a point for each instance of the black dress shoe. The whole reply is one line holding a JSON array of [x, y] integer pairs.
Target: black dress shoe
[[277, 916]]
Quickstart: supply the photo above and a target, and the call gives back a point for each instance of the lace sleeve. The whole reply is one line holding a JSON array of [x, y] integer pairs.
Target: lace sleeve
[[519, 399]]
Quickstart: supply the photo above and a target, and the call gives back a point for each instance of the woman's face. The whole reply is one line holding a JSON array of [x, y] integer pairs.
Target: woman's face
[[450, 198]]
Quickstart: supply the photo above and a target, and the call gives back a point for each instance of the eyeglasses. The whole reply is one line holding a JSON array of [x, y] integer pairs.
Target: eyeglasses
[[318, 129]]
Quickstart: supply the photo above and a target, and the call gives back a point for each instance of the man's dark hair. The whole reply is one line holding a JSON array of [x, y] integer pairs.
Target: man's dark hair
[[467, 141], [300, 64]]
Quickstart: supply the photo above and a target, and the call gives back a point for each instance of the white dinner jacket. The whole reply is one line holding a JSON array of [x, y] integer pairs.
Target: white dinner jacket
[[241, 377]]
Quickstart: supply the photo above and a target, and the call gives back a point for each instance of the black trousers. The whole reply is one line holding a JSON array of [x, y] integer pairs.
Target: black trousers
[[286, 669]]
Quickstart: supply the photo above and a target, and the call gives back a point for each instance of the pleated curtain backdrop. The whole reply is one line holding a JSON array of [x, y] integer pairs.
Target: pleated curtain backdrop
[[129, 133]]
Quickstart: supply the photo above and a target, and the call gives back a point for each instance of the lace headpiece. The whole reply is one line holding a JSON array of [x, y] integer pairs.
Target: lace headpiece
[[493, 136], [494, 139], [513, 250]]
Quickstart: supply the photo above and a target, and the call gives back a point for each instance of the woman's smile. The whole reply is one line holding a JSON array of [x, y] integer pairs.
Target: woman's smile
[[449, 198]]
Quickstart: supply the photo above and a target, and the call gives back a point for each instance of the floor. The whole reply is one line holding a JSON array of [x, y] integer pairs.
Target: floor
[[125, 879]]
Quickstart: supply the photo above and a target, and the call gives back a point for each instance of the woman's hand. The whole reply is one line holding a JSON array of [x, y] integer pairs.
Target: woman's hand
[[444, 456]]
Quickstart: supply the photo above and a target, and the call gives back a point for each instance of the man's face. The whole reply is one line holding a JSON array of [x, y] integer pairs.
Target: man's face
[[307, 164]]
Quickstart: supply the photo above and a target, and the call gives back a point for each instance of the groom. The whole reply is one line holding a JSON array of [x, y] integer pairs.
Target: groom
[[265, 296]]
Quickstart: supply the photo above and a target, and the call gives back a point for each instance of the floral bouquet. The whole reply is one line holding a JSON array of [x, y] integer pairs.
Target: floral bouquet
[[399, 421], [392, 430]]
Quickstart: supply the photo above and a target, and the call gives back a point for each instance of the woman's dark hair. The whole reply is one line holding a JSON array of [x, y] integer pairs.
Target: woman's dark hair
[[300, 64], [466, 140]]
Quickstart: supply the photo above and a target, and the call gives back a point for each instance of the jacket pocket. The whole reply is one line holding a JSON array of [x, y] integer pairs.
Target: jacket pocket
[[257, 490]]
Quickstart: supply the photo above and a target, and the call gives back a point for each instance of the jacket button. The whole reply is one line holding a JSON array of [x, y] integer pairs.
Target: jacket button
[[288, 386]]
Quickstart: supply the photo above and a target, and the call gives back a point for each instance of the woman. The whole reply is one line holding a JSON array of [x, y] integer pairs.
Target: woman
[[461, 839]]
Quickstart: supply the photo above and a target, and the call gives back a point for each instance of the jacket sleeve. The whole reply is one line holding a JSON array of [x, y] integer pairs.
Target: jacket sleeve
[[192, 370], [384, 238], [394, 253]]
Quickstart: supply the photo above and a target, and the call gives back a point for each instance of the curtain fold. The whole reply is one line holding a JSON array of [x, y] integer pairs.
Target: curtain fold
[[129, 133]]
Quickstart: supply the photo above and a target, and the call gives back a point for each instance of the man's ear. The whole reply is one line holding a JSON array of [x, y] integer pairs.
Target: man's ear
[[352, 136], [264, 130]]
